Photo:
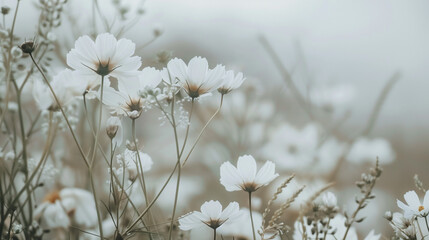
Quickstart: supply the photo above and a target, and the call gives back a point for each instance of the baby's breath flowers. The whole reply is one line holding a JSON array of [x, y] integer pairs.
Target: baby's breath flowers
[[414, 208], [246, 177], [196, 77], [231, 82], [211, 215], [104, 57]]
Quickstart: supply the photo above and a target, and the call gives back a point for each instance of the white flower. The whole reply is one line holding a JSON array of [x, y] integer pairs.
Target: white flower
[[68, 206], [196, 78], [331, 97], [329, 200], [367, 150], [211, 215], [302, 149], [130, 159], [403, 227], [128, 100], [104, 57], [114, 130], [414, 207], [372, 236], [245, 176], [231, 82], [67, 85]]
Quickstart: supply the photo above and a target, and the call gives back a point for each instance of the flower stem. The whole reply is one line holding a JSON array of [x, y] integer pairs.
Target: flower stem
[[202, 130], [214, 233], [91, 166], [179, 170], [251, 215]]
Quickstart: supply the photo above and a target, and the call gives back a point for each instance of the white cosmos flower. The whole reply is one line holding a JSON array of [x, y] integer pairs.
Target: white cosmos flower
[[303, 150], [414, 207], [211, 215], [104, 57], [69, 206], [196, 78], [245, 176], [128, 99], [367, 150], [231, 82], [130, 159], [67, 85]]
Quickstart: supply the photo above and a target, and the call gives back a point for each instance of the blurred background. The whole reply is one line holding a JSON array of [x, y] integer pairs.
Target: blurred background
[[348, 50]]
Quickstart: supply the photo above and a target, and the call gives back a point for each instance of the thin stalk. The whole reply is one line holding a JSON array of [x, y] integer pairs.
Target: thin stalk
[[94, 153], [202, 130], [151, 203], [176, 195], [251, 215], [140, 165], [9, 67], [214, 233], [62, 111]]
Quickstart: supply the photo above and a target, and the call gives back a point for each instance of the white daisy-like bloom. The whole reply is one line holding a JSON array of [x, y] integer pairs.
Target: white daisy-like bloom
[[128, 99], [69, 206], [245, 176], [211, 215], [114, 130], [403, 227], [231, 82], [337, 230], [302, 150], [196, 77], [368, 150], [67, 85], [104, 57], [414, 207], [332, 97], [130, 159]]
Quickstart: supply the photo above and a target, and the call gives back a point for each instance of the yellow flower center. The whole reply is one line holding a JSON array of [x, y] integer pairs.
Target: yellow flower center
[[52, 197], [421, 208]]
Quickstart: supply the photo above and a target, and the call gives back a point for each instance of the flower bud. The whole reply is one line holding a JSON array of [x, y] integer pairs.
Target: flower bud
[[113, 124], [28, 47], [5, 10]]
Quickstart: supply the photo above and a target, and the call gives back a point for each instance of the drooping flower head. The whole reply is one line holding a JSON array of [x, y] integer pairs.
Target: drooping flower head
[[414, 207], [196, 77], [104, 57], [231, 82], [245, 176], [211, 215]]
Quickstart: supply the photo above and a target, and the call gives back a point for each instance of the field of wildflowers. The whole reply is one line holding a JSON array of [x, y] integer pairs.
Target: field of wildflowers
[[97, 143]]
